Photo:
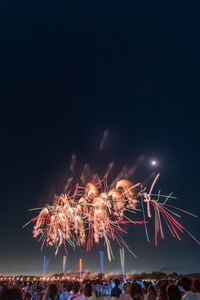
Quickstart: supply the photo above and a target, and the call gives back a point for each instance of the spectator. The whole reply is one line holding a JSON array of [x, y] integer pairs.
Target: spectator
[[127, 292], [189, 294], [162, 291], [67, 291], [27, 296], [173, 292], [76, 295], [136, 291], [88, 293], [51, 292], [151, 292], [116, 292], [196, 286], [12, 293]]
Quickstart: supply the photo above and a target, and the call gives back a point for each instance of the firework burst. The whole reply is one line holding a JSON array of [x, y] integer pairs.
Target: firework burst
[[94, 212]]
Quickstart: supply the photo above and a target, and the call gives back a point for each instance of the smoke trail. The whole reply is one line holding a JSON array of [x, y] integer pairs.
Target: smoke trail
[[134, 167], [105, 135], [73, 162], [69, 180], [85, 173], [110, 166]]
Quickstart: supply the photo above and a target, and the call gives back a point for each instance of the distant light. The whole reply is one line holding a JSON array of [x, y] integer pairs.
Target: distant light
[[154, 162]]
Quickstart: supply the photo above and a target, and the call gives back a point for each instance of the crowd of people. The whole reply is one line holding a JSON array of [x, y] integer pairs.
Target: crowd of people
[[184, 289]]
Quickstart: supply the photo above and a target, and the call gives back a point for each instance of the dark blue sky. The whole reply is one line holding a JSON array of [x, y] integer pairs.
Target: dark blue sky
[[70, 71]]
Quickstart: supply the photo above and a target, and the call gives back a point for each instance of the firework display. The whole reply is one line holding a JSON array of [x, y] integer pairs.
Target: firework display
[[94, 212]]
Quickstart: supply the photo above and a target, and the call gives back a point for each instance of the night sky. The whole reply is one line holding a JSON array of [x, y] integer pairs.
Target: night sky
[[68, 73]]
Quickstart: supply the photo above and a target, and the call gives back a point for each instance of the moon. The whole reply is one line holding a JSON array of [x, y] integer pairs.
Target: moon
[[153, 162]]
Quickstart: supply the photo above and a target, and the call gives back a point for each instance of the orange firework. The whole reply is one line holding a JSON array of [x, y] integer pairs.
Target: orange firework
[[96, 212]]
